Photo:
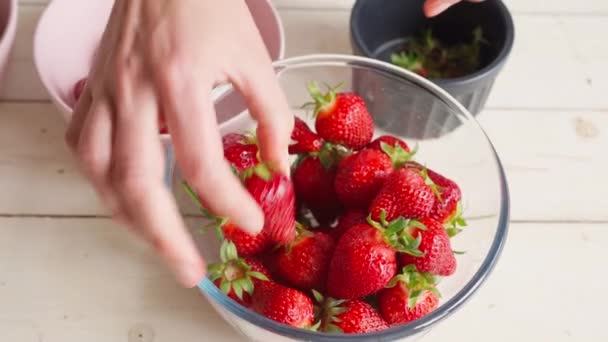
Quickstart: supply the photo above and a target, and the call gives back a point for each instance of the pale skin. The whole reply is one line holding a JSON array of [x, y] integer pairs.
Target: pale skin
[[165, 56]]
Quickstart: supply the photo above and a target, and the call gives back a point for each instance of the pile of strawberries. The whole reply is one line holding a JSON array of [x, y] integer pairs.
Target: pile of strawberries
[[354, 241]]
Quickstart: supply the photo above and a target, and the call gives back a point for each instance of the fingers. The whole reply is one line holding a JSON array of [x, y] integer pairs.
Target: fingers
[[268, 105], [94, 151], [137, 177], [195, 135], [79, 115], [435, 7]]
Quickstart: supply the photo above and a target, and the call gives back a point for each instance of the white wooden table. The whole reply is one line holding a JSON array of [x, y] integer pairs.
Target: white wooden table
[[68, 274]]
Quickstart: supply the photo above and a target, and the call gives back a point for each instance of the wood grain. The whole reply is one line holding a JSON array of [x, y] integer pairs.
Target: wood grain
[[565, 71], [553, 162], [77, 280]]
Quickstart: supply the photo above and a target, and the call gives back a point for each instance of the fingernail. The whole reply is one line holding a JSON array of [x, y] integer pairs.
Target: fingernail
[[255, 221], [436, 7], [190, 274]]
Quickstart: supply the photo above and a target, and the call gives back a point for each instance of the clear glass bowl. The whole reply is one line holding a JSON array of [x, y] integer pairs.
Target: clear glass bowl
[[413, 108]]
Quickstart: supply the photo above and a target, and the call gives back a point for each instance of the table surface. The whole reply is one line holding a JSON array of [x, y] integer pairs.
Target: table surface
[[68, 274]]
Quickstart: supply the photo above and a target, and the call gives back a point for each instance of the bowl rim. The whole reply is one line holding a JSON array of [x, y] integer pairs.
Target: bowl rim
[[405, 330], [473, 77], [68, 110], [10, 28]]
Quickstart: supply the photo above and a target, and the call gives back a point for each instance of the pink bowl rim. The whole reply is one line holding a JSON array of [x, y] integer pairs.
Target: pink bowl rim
[[66, 109], [8, 36]]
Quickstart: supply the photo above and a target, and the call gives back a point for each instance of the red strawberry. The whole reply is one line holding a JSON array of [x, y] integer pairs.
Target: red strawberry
[[275, 194], [348, 316], [235, 276], [162, 124], [404, 193], [241, 151], [282, 304], [246, 244], [79, 88], [360, 177], [342, 118], [348, 219], [390, 140], [305, 140], [313, 183], [447, 208], [409, 296], [304, 263], [364, 260], [438, 257]]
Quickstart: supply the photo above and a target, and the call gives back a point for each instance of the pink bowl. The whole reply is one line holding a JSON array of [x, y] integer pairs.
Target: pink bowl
[[8, 26], [69, 31]]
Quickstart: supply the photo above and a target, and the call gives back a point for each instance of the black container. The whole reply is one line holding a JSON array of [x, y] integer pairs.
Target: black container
[[378, 27]]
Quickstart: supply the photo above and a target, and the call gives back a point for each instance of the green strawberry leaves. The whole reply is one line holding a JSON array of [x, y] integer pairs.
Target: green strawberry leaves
[[398, 233], [399, 156], [328, 310], [416, 282], [426, 54], [456, 222], [233, 272], [321, 100]]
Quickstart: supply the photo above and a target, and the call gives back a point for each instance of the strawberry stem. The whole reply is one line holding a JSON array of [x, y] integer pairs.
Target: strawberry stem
[[416, 283], [399, 156], [398, 233], [234, 272], [455, 222], [321, 100]]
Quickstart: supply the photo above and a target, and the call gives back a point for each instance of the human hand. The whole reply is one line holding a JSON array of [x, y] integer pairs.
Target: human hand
[[164, 56], [435, 7]]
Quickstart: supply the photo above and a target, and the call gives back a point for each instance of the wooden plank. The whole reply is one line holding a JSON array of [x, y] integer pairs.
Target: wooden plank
[[84, 279], [21, 79], [87, 280], [561, 65], [553, 175], [38, 173]]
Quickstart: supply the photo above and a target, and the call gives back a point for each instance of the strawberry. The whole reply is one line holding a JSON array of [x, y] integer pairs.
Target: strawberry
[[409, 296], [348, 219], [360, 177], [305, 140], [240, 150], [235, 276], [162, 124], [405, 193], [79, 88], [283, 304], [313, 181], [274, 192], [390, 140], [348, 316], [304, 263], [438, 257], [246, 244], [341, 118], [447, 208], [364, 260]]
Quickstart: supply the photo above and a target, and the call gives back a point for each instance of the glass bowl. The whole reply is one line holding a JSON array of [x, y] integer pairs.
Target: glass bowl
[[465, 155]]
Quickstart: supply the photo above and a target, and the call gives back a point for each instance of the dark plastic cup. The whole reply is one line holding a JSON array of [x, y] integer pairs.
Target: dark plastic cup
[[379, 27]]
